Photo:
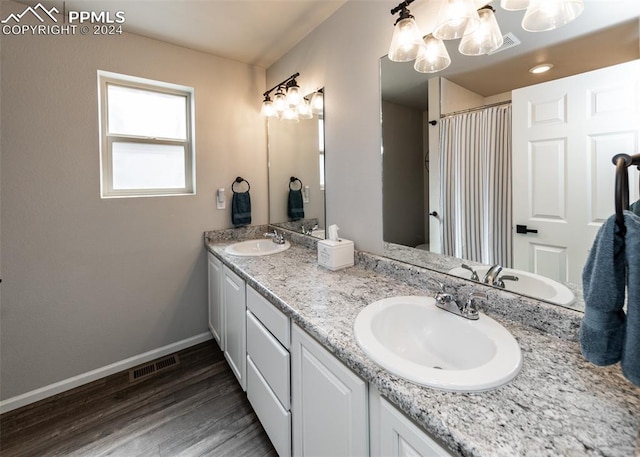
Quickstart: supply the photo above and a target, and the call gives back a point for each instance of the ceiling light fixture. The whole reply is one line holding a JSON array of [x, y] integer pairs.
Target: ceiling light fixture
[[541, 68], [478, 29], [288, 103]]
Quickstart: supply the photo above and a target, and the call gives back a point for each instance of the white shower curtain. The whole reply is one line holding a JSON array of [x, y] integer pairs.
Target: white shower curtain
[[475, 180]]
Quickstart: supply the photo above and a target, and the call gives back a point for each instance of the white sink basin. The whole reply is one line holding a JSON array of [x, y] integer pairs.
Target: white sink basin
[[529, 284], [413, 339], [253, 248]]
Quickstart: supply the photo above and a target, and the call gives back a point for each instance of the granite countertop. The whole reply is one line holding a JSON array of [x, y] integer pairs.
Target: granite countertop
[[559, 404]]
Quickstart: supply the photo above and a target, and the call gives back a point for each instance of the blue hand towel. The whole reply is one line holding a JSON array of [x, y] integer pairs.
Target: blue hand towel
[[631, 351], [602, 331], [295, 206], [241, 209], [635, 208]]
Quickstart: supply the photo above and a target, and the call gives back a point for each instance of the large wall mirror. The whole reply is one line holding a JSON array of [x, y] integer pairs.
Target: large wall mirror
[[606, 34], [296, 174]]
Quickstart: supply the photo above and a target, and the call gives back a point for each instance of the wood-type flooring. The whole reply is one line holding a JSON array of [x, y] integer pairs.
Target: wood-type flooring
[[196, 408]]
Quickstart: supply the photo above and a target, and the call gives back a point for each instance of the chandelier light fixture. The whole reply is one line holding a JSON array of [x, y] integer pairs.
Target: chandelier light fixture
[[288, 103], [477, 29]]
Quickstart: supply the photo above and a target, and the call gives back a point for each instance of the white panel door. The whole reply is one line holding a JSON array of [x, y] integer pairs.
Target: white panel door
[[235, 329], [565, 133], [329, 403], [215, 299]]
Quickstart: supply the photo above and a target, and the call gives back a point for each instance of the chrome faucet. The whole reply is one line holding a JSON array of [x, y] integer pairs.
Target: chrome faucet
[[277, 238], [306, 231], [493, 277], [447, 302]]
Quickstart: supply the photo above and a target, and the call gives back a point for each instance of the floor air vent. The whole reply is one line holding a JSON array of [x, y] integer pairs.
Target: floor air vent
[[146, 370], [510, 41]]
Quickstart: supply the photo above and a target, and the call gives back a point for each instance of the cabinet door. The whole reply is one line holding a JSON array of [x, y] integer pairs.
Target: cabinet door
[[235, 330], [329, 403], [215, 299], [394, 435]]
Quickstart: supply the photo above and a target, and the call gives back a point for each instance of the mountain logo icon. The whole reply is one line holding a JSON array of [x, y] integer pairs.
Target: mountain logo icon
[[38, 11]]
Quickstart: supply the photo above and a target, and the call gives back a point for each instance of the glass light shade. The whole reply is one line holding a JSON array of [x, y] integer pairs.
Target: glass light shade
[[406, 41], [433, 57], [290, 114], [514, 5], [544, 15], [293, 95], [304, 110], [279, 102], [267, 109], [317, 103], [455, 19], [485, 39]]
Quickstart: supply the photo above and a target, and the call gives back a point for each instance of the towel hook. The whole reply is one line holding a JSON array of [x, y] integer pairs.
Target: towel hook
[[239, 180], [292, 180]]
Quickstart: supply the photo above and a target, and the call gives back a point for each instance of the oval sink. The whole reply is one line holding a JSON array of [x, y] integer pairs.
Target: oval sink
[[252, 248], [529, 284], [413, 339]]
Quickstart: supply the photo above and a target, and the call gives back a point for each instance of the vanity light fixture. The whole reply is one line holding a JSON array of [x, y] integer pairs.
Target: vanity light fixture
[[317, 101], [541, 68], [486, 38], [407, 40], [478, 28], [514, 5], [543, 15], [288, 103]]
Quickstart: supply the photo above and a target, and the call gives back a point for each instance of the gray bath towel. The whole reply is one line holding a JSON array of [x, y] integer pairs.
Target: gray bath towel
[[631, 350], [241, 209], [602, 331], [607, 335], [295, 205]]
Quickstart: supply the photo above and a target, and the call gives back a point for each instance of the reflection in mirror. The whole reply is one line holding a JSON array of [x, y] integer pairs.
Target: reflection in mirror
[[412, 218], [296, 173]]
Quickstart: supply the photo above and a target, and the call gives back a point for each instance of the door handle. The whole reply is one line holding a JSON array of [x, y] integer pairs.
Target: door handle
[[524, 229], [433, 213]]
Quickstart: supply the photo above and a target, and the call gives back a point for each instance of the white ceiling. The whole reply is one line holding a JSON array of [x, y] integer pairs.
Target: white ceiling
[[256, 32]]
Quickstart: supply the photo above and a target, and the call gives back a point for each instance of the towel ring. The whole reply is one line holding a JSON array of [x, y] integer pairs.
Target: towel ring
[[292, 180], [622, 162], [239, 180]]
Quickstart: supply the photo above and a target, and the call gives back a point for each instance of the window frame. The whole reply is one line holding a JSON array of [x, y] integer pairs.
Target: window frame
[[107, 139]]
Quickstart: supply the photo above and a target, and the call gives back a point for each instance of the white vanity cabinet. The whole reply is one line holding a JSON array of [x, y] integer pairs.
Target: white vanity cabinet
[[329, 402], [234, 327], [216, 307], [268, 369], [394, 435]]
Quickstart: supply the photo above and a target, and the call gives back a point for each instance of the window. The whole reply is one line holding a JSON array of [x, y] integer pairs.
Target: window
[[146, 137]]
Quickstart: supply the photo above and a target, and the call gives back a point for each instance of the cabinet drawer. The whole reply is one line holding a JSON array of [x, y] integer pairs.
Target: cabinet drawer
[[270, 358], [275, 420], [273, 319]]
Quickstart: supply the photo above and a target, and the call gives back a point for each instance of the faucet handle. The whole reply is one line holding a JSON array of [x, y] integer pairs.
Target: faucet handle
[[474, 274], [441, 287], [470, 308]]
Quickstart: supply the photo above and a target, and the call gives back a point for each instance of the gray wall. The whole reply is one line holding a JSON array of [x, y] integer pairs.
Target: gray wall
[[342, 55], [87, 282], [403, 175]]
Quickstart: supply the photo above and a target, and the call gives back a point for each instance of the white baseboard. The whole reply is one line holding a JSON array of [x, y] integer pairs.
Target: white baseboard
[[62, 386]]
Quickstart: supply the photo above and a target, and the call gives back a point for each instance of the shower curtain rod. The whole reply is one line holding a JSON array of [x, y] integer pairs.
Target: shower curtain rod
[[478, 108]]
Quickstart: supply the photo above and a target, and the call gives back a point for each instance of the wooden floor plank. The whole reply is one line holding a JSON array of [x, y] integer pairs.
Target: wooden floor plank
[[194, 409]]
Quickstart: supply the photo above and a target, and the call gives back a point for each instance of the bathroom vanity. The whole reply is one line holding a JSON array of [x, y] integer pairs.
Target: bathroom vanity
[[299, 317]]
